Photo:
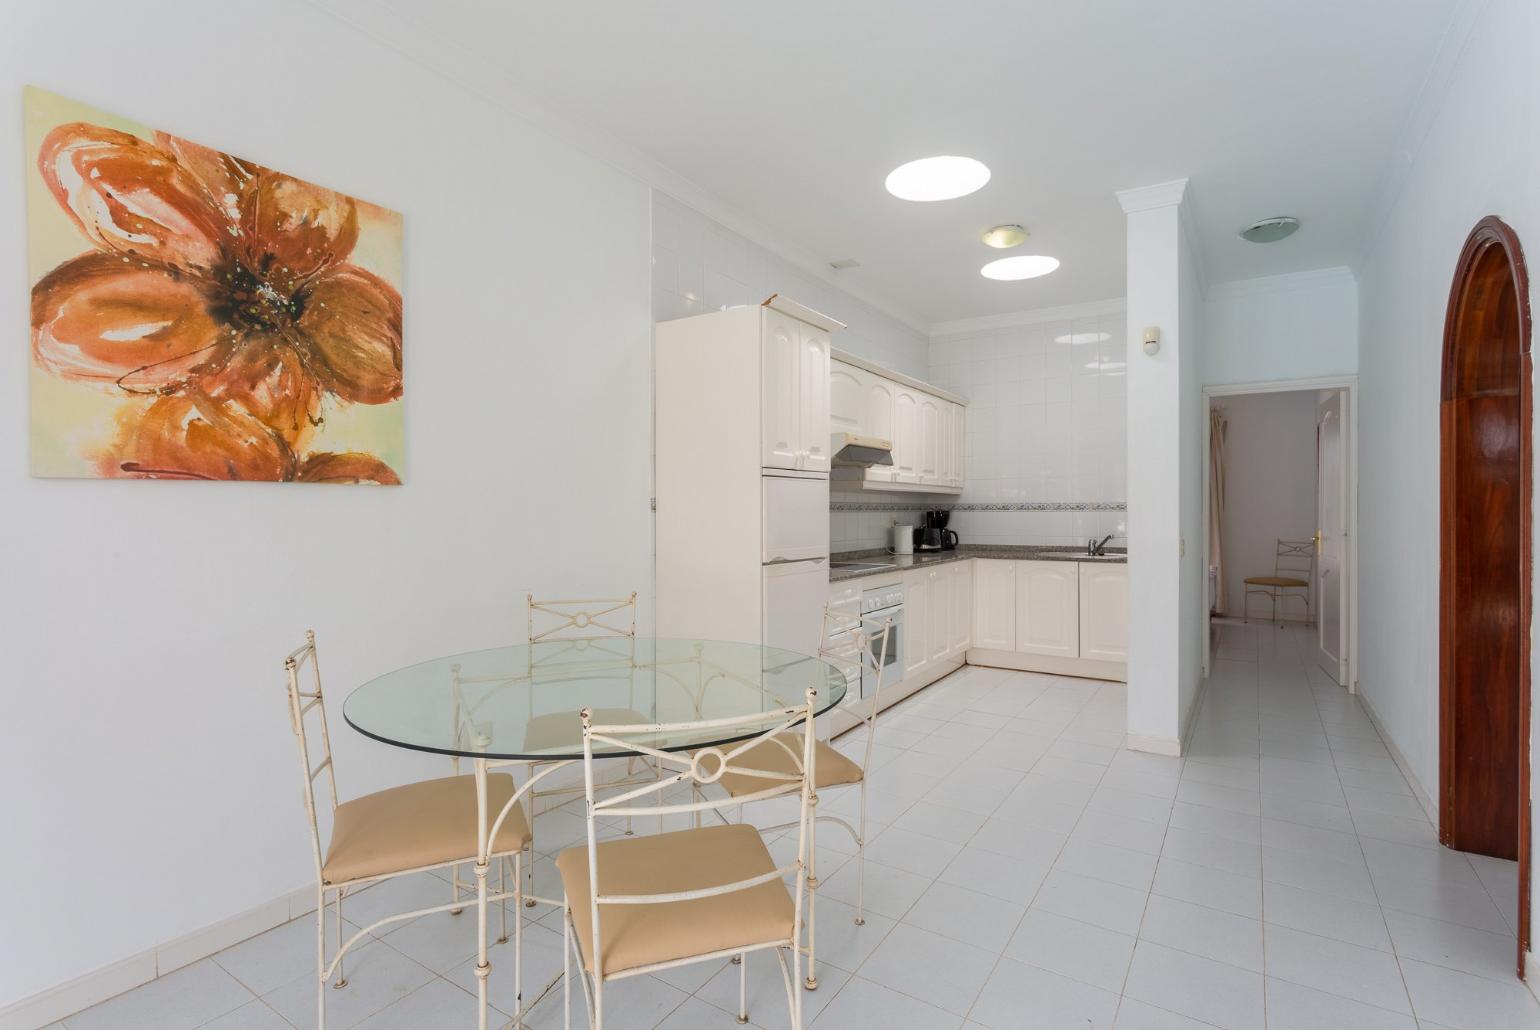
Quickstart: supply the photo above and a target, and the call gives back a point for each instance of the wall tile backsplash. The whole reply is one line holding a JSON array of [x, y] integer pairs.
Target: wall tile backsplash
[[699, 265], [1047, 438]]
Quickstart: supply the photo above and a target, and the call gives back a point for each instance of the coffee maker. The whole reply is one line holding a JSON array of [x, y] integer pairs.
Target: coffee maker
[[932, 534]]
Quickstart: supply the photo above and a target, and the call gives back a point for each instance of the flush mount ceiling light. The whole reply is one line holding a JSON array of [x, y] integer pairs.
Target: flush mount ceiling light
[[1270, 230], [1004, 237], [1023, 266], [1080, 339], [937, 178]]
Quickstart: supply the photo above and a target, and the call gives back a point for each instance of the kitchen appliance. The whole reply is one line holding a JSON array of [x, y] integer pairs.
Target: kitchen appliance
[[903, 539], [877, 604], [795, 556], [937, 519], [851, 450], [927, 538]]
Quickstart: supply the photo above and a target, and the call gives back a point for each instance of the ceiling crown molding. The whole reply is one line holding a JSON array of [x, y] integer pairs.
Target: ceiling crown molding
[[1148, 198], [414, 39], [1034, 316]]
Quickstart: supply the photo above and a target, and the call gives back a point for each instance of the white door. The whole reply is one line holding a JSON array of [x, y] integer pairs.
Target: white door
[[994, 604], [1048, 608], [794, 518], [847, 399], [917, 602], [1331, 534], [813, 401], [930, 440], [938, 635], [1104, 612], [906, 435], [794, 596], [781, 365], [880, 397], [962, 606]]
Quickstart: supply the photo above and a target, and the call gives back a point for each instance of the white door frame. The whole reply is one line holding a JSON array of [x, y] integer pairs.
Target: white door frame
[[1350, 608]]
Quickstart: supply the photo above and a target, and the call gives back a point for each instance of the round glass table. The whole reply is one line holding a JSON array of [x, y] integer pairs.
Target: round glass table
[[522, 704]]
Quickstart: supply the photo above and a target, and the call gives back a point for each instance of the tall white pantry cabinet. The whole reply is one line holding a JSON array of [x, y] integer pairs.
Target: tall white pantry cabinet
[[742, 491]]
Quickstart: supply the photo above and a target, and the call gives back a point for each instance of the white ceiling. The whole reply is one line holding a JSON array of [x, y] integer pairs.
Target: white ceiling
[[792, 113]]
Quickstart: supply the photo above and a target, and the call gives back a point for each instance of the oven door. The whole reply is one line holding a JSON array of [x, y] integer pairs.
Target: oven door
[[892, 668]]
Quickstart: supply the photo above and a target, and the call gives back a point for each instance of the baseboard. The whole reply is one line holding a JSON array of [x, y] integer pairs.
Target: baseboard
[[1169, 746], [111, 980], [1085, 668], [1421, 794], [843, 720], [1531, 971]]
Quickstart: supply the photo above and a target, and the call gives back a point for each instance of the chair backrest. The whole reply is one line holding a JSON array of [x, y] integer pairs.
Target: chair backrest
[[1295, 558], [857, 644], [698, 768], [301, 703], [601, 619]]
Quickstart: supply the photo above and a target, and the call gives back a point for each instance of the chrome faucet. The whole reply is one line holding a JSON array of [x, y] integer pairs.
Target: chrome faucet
[[1096, 549]]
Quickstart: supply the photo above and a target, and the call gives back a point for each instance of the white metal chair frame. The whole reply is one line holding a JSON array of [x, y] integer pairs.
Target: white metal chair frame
[[853, 643], [301, 703], [693, 767], [1292, 556]]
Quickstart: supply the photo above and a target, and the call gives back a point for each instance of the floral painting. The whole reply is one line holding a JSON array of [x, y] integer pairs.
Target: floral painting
[[199, 316]]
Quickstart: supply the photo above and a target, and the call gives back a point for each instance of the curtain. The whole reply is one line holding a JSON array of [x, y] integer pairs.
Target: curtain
[[1216, 504]]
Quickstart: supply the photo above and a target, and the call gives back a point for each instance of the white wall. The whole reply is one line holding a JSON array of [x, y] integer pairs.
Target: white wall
[[1298, 326], [1192, 343], [701, 265], [1270, 487], [1480, 155], [149, 772]]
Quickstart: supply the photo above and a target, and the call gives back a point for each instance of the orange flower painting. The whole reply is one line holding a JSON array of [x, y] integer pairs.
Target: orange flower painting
[[199, 316]]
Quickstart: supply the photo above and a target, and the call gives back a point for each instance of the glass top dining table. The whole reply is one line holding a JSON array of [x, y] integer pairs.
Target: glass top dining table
[[522, 702]]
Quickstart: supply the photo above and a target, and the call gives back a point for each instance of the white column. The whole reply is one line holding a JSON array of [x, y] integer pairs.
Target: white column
[[1162, 676]]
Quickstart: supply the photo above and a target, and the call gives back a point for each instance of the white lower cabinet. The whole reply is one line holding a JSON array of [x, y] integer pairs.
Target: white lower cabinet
[[917, 620], [994, 604], [1104, 612], [1048, 608], [937, 614], [961, 575]]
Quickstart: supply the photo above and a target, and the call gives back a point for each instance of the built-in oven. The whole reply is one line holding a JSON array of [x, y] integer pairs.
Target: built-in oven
[[879, 604]]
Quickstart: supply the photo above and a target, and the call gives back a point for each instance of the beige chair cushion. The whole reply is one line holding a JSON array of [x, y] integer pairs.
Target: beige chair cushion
[[563, 731], [644, 935], [830, 768], [416, 825], [1277, 581]]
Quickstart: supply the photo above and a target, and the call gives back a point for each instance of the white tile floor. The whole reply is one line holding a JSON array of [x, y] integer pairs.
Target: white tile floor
[[1026, 872]]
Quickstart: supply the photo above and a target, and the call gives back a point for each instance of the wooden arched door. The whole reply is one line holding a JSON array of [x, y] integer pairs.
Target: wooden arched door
[[1484, 582]]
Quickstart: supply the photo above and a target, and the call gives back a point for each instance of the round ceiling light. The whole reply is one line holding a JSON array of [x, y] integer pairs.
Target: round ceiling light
[[1004, 237], [1270, 230], [937, 178], [1023, 266]]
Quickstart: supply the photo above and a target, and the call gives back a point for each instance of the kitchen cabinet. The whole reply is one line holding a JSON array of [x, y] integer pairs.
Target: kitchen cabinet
[[1104, 612], [961, 606], [795, 370], [906, 436], [925, 426], [957, 447], [932, 429], [917, 621], [994, 604], [938, 633], [847, 399], [1048, 608]]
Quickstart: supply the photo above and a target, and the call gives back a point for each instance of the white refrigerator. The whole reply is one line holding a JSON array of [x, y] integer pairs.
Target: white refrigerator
[[795, 559]]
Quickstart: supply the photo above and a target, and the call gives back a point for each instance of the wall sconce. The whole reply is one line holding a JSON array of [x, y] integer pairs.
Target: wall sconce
[[1151, 340]]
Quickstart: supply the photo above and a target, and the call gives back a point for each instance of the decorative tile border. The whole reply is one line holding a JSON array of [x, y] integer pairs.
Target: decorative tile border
[[982, 506]]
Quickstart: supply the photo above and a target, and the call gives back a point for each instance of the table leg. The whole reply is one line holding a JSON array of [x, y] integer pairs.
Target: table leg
[[483, 967]]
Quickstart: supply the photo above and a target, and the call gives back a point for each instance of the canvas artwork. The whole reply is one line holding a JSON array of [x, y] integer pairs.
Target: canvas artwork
[[199, 316]]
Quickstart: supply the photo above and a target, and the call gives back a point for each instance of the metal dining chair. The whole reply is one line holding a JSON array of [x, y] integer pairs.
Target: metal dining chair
[[856, 645], [414, 828], [1293, 567], [639, 905]]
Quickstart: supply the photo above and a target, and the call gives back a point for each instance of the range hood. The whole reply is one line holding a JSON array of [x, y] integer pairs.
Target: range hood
[[851, 450]]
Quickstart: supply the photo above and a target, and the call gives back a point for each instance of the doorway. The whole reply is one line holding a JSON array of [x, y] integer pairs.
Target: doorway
[[1485, 567]]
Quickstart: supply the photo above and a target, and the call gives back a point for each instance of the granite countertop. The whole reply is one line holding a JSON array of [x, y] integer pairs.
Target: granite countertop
[[1017, 552]]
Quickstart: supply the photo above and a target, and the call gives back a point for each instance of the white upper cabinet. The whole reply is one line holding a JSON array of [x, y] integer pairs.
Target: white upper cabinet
[[847, 399], [931, 432], [1048, 608], [994, 604], [881, 395], [957, 447], [813, 398], [797, 388], [781, 352], [1104, 612], [906, 435]]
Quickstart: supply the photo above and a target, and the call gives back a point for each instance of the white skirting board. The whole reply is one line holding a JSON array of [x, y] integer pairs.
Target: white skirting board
[[842, 720], [1423, 798], [1054, 665], [98, 985]]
